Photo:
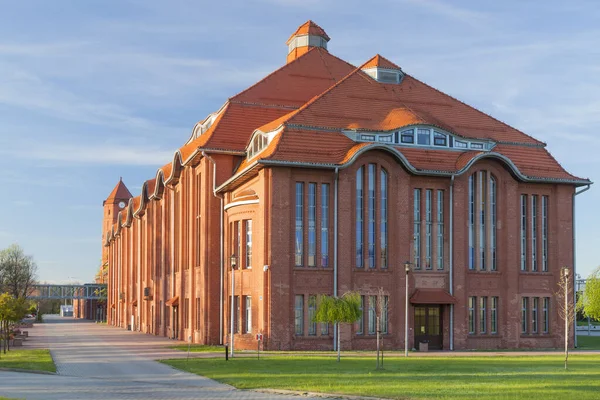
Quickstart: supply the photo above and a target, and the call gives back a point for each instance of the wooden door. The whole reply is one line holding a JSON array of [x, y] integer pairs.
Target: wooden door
[[428, 326]]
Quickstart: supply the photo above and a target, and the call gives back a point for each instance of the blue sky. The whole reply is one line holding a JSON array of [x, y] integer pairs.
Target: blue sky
[[94, 90]]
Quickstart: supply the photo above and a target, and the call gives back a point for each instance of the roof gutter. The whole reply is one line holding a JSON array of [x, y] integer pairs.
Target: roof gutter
[[576, 193]]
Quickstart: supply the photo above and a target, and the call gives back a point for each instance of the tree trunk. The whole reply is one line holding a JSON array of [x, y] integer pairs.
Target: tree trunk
[[338, 342], [566, 320], [377, 343]]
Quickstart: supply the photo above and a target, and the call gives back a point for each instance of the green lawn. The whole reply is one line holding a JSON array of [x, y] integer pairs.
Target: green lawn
[[199, 348], [585, 323], [520, 377], [585, 342], [38, 360]]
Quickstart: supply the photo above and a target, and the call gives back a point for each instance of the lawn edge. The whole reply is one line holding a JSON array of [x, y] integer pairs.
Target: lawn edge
[[304, 393], [31, 371]]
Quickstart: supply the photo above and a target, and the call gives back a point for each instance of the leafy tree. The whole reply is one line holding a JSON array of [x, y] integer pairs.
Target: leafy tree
[[11, 310], [338, 310], [590, 300], [17, 272]]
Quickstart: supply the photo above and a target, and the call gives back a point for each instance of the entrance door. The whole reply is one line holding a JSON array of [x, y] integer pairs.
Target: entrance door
[[428, 326]]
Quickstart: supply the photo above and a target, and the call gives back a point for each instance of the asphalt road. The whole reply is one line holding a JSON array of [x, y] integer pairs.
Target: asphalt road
[[101, 362]]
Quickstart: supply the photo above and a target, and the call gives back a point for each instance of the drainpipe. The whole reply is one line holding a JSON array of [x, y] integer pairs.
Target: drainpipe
[[221, 266], [451, 264], [335, 247], [574, 259]]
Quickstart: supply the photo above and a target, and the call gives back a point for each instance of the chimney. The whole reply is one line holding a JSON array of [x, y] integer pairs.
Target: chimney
[[307, 36]]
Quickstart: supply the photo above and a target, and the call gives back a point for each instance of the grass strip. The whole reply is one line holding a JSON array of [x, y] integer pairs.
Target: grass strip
[[28, 359]]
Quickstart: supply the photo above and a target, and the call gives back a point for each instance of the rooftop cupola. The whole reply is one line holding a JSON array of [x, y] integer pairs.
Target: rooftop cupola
[[383, 70], [307, 36]]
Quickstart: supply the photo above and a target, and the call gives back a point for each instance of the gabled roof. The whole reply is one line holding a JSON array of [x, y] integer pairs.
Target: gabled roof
[[120, 192], [379, 61], [309, 28]]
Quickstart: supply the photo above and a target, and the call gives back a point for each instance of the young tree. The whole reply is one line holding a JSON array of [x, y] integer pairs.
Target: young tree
[[381, 311], [590, 301], [338, 310], [566, 305], [17, 272]]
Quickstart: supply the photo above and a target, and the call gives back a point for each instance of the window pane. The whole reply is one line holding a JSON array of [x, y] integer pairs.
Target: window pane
[[407, 136], [372, 315], [383, 213], [493, 221], [472, 315], [472, 222], [482, 182], [312, 222], [359, 217], [299, 315], [460, 145], [417, 227], [371, 213], [248, 314], [249, 243], [325, 225], [439, 139], [524, 313], [544, 233], [546, 321], [482, 314], [534, 315], [494, 316], [312, 308], [534, 266], [423, 136], [523, 232], [360, 322], [299, 222], [428, 228], [440, 229]]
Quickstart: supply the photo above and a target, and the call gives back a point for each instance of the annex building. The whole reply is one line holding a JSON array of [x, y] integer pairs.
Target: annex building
[[325, 177]]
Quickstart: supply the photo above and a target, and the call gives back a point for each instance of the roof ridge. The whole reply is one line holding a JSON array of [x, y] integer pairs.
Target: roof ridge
[[474, 108]]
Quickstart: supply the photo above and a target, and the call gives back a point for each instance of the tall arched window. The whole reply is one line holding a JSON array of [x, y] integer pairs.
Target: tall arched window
[[359, 217], [375, 186], [384, 216], [482, 221]]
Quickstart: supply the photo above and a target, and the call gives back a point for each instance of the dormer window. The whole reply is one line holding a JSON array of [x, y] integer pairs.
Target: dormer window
[[259, 142], [421, 136]]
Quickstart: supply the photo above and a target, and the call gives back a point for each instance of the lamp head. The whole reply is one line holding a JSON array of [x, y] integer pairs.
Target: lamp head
[[407, 266], [233, 261]]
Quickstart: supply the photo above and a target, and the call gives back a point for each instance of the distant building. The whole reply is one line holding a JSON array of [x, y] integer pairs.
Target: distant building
[[323, 178]]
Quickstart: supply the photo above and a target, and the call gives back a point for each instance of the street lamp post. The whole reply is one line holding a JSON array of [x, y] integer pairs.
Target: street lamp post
[[407, 270], [233, 262]]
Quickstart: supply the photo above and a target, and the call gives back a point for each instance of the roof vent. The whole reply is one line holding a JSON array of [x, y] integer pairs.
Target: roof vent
[[307, 36], [383, 70]]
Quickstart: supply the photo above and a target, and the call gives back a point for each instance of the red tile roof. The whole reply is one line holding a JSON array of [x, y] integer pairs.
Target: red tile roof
[[380, 62], [309, 28], [120, 192]]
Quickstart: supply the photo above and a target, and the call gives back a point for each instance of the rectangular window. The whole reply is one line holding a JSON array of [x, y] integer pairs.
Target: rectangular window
[[482, 314], [523, 232], [383, 213], [386, 139], [186, 313], [545, 233], [248, 243], [367, 137], [325, 225], [360, 323], [524, 308], [440, 229], [477, 146], [460, 145], [472, 301], [439, 139], [248, 314], [324, 329], [534, 314], [299, 315], [359, 218], [312, 224], [371, 213], [534, 207], [546, 315], [494, 316], [372, 315], [428, 228], [384, 316], [482, 213], [423, 137], [407, 136], [299, 223], [471, 222], [312, 311], [236, 315], [417, 227]]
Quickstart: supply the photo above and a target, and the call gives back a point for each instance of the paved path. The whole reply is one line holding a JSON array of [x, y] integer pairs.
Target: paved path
[[100, 362]]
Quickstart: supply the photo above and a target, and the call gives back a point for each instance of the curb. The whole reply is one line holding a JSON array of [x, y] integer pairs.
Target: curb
[[29, 371], [301, 393]]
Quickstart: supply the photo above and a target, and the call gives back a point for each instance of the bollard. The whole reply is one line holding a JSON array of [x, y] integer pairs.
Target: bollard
[[226, 353]]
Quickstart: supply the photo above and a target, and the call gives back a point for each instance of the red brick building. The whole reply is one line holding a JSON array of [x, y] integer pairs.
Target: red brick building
[[324, 178]]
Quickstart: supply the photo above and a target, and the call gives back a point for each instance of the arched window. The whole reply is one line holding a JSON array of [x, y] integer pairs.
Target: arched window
[[259, 142], [482, 224], [368, 236]]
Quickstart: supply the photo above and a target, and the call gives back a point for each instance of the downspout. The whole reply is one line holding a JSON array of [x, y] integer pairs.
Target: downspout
[[574, 260], [335, 247], [451, 262], [221, 266]]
